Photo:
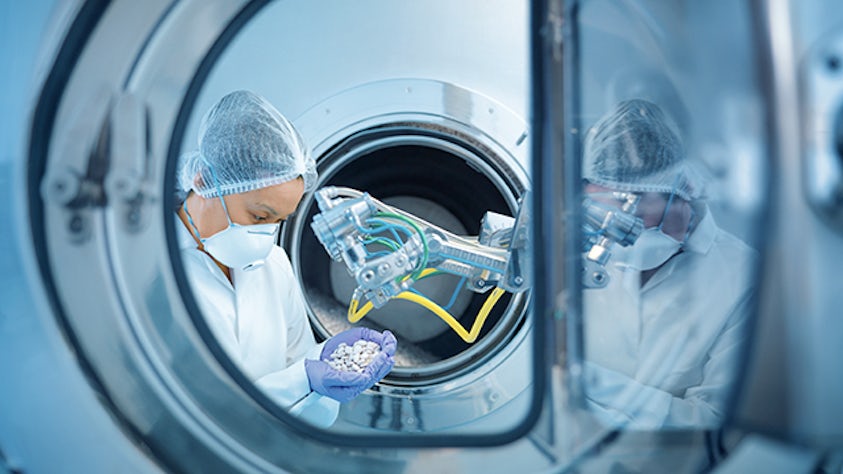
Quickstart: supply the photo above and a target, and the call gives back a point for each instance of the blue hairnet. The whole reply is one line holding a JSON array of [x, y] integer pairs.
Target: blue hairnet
[[637, 148], [245, 144]]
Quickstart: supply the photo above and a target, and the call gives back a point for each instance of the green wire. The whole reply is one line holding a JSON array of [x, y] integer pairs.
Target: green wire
[[383, 241], [423, 262]]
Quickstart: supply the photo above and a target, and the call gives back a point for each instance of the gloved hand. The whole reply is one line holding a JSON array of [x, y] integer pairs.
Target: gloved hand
[[344, 386]]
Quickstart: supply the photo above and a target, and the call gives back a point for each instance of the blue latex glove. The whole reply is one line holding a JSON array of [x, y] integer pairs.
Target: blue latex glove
[[344, 386], [385, 339]]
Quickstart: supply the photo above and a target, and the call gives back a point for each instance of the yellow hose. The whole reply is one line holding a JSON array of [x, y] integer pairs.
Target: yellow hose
[[467, 336], [355, 315]]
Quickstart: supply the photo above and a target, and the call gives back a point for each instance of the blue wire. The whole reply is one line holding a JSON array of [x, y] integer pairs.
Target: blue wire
[[454, 295], [377, 254], [391, 227]]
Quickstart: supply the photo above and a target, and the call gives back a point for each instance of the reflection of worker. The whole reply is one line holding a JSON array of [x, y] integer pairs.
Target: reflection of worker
[[249, 173], [663, 338]]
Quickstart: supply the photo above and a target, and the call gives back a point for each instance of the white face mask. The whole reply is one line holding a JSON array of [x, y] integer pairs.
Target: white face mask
[[238, 246], [652, 249], [242, 246]]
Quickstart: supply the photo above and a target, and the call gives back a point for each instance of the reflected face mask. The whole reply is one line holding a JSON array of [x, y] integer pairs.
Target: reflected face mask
[[652, 248]]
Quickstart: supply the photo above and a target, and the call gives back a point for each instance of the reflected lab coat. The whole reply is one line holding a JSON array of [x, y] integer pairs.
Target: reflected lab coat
[[262, 324], [666, 354]]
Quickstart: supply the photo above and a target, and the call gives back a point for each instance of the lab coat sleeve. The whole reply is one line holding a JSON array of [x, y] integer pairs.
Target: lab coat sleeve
[[300, 341], [290, 388], [719, 373], [620, 400]]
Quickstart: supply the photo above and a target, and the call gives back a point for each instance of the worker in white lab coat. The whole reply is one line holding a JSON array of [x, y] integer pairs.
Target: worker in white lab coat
[[663, 340], [249, 173]]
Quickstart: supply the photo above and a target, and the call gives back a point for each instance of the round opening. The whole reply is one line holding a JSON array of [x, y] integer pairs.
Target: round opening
[[445, 180]]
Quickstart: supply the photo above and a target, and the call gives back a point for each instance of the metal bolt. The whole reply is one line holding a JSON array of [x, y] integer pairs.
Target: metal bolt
[[832, 62], [518, 280], [480, 283], [134, 216], [76, 224]]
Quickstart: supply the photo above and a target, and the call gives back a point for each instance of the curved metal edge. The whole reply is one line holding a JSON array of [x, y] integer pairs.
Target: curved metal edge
[[155, 448], [776, 77], [43, 121]]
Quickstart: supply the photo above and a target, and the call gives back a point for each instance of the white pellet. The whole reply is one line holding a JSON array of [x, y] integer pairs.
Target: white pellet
[[353, 358]]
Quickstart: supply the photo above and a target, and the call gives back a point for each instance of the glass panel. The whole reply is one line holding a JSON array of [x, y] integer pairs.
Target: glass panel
[[673, 181]]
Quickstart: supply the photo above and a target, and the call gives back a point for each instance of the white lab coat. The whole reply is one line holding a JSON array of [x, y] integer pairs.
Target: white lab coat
[[666, 354], [262, 324]]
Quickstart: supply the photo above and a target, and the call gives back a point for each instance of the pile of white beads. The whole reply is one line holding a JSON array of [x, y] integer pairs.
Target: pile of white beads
[[354, 358]]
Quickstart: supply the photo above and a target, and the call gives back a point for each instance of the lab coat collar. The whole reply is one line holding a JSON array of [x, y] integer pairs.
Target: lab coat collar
[[700, 241], [702, 238], [187, 242]]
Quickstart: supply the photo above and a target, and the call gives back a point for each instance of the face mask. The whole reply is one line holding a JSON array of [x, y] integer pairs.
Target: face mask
[[239, 246], [652, 249]]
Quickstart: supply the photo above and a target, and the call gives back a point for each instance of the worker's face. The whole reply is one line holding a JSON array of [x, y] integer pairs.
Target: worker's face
[[651, 209], [269, 205]]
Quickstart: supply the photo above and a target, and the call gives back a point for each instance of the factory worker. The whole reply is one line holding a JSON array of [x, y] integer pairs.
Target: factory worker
[[249, 174], [663, 339]]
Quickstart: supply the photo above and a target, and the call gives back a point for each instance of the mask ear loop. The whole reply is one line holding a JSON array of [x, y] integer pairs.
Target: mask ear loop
[[219, 190], [669, 203], [690, 223], [190, 220], [666, 209]]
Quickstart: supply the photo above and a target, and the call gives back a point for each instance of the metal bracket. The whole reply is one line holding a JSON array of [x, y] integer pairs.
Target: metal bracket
[[822, 109], [78, 188], [125, 184]]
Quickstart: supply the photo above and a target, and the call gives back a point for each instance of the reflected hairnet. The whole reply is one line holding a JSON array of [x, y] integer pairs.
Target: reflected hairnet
[[637, 148], [245, 144]]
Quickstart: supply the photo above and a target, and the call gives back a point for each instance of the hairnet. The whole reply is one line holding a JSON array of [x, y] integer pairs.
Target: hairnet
[[650, 84], [637, 148], [245, 144]]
